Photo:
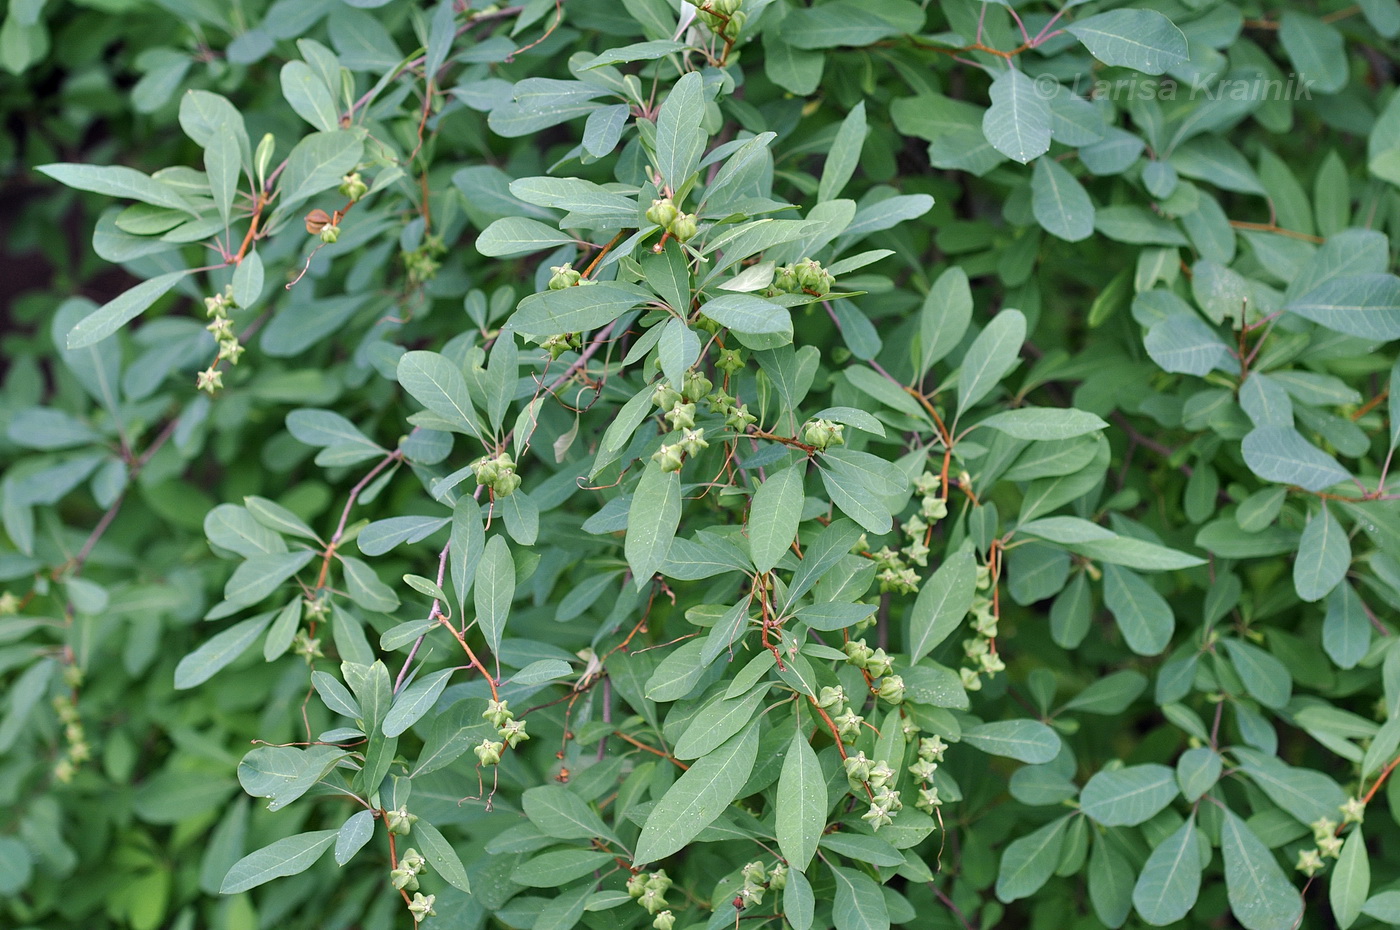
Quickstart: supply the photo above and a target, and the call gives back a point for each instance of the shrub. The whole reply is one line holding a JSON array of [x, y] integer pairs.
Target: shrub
[[636, 464]]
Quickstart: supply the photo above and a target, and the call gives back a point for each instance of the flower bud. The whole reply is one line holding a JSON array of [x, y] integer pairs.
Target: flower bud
[[692, 441], [489, 752], [665, 920], [421, 907], [848, 725], [858, 767], [330, 234], [403, 879], [878, 663], [696, 386], [681, 416], [513, 732], [498, 712], [665, 396], [785, 280], [857, 652], [739, 418], [353, 187], [662, 212], [556, 345], [891, 689], [684, 227], [563, 276], [928, 800], [209, 380], [823, 433], [400, 822], [669, 457], [730, 360], [777, 879], [880, 775], [653, 900], [830, 697], [932, 748]]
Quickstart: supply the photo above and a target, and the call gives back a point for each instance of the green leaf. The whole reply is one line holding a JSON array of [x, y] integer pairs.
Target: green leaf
[[1363, 305], [1261, 896], [668, 273], [1185, 345], [560, 813], [513, 236], [120, 310], [1316, 50], [801, 803], [117, 181], [943, 602], [1305, 794], [1171, 879], [576, 309], [1385, 907], [466, 543], [1044, 423], [1028, 741], [414, 701], [559, 867], [944, 317], [799, 903], [1029, 861], [745, 313], [774, 516], [278, 518], [1350, 882], [1059, 202], [309, 96], [1197, 771], [849, 23], [718, 719], [652, 518], [495, 589], [1109, 695], [352, 836], [1394, 405], [260, 575], [1143, 40], [317, 163], [698, 797], [324, 428], [1018, 122], [990, 357], [1324, 555], [1346, 628], [679, 138], [382, 535], [440, 386], [1265, 678], [1144, 616], [859, 904], [284, 773], [1128, 796], [222, 166], [440, 855], [289, 856], [844, 155]]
